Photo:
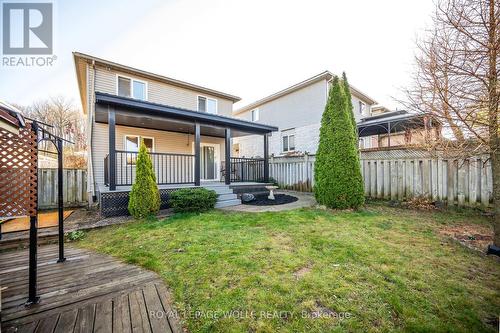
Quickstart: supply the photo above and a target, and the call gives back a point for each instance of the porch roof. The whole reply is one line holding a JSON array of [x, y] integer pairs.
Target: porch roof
[[133, 112]]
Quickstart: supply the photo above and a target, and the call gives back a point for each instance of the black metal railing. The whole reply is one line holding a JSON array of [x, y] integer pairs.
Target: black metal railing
[[169, 168], [246, 169], [106, 170]]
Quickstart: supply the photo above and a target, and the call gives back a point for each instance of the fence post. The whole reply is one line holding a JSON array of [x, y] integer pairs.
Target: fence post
[[60, 199], [272, 168]]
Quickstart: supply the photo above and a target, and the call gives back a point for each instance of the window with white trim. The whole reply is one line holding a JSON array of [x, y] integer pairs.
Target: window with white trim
[[208, 105], [128, 87], [365, 143], [255, 115], [132, 145], [362, 108], [288, 141]]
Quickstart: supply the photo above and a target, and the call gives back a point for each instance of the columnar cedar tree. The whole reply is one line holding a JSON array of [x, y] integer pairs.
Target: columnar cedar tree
[[144, 197], [337, 173]]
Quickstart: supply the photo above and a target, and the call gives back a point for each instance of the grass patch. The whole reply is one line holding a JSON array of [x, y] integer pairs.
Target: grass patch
[[388, 268]]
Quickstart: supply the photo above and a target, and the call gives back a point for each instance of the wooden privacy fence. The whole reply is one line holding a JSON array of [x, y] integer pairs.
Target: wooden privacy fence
[[401, 174], [74, 187], [293, 172]]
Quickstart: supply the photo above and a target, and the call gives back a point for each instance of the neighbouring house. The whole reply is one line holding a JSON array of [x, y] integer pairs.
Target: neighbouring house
[[11, 118], [186, 128], [297, 111]]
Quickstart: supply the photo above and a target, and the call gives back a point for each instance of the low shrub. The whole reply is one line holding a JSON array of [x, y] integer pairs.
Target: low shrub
[[192, 200]]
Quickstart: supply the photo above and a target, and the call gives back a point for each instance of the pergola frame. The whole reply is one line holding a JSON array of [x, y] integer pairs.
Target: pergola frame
[[387, 124]]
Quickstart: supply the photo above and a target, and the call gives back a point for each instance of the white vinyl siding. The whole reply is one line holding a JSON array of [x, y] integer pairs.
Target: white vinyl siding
[[299, 108], [160, 92]]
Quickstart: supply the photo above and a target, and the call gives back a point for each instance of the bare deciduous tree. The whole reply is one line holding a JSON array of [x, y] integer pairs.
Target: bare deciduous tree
[[456, 79], [67, 122]]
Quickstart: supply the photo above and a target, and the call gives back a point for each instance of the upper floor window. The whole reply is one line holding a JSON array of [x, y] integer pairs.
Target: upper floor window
[[128, 87], [288, 142], [255, 115], [206, 104], [362, 107]]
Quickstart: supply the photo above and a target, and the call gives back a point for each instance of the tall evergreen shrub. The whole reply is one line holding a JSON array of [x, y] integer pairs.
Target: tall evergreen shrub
[[350, 108], [144, 198], [338, 182]]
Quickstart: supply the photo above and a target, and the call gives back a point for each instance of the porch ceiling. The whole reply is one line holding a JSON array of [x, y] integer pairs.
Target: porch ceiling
[[134, 113]]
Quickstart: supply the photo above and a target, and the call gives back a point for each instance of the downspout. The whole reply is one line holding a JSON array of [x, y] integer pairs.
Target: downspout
[[91, 124]]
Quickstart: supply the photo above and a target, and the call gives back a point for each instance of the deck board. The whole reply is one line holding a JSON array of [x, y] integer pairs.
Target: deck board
[[87, 293]]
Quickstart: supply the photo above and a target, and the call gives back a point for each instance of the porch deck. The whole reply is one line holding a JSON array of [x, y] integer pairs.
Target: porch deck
[[207, 184], [87, 293]]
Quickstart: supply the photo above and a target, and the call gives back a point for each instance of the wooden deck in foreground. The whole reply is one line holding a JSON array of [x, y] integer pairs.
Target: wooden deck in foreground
[[87, 293]]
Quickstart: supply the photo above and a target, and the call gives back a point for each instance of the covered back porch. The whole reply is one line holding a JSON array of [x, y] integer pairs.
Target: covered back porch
[[206, 139]]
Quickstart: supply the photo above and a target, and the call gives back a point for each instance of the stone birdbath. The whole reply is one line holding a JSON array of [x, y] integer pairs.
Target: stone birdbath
[[271, 193]]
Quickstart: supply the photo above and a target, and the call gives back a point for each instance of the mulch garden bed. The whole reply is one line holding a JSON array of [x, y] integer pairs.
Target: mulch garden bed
[[280, 199]]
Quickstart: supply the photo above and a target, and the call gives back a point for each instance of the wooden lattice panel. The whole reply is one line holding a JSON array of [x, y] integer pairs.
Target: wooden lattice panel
[[18, 172]]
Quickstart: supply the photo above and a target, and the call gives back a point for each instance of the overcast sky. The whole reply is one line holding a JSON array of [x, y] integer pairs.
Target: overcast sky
[[247, 48]]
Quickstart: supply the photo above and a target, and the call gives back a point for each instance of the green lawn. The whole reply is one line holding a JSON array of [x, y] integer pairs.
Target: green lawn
[[386, 269]]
